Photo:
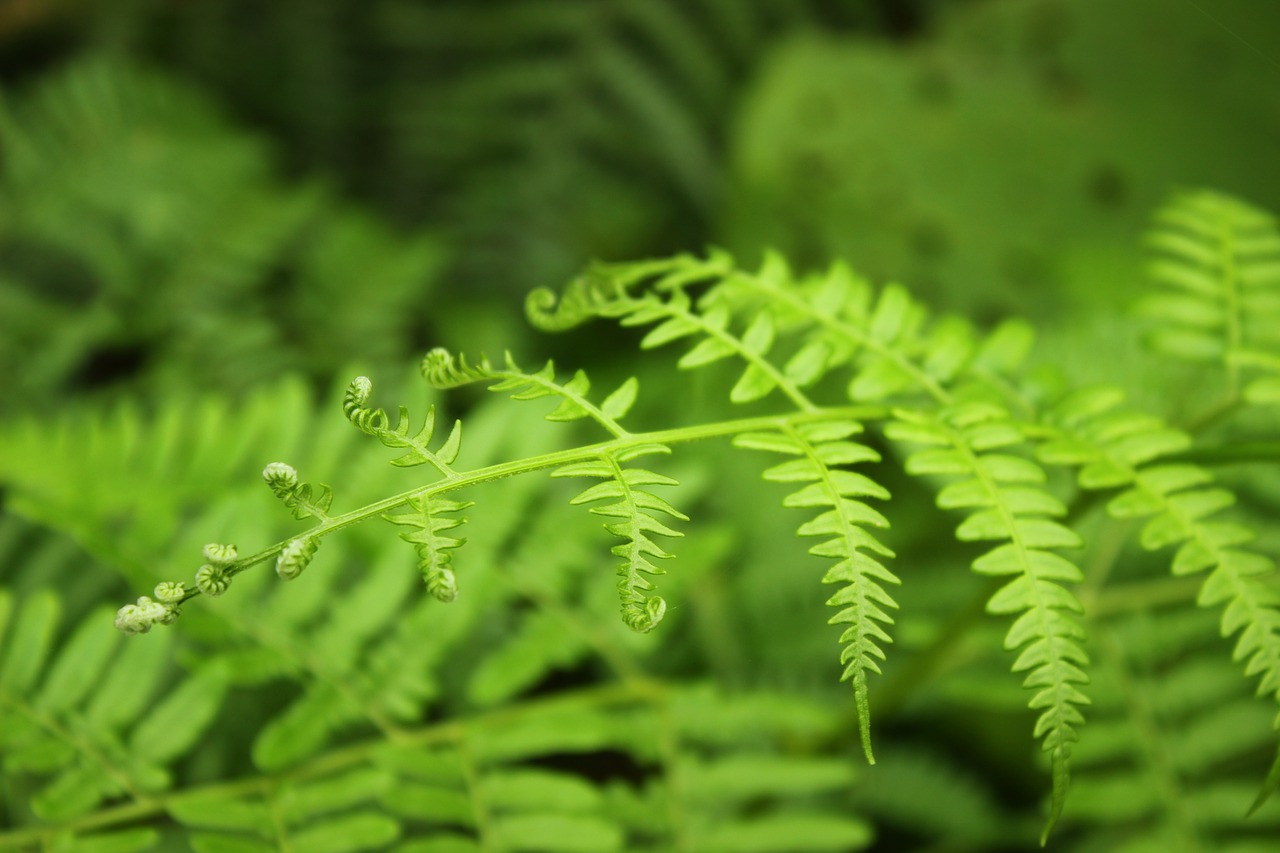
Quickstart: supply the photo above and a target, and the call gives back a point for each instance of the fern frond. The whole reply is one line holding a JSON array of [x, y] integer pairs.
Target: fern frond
[[818, 448], [1216, 261], [1120, 449], [1173, 739], [93, 723], [442, 370], [1008, 505], [635, 507], [824, 322], [375, 422], [431, 517]]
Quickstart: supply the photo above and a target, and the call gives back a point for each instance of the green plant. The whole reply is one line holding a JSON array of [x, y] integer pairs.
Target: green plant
[[432, 715]]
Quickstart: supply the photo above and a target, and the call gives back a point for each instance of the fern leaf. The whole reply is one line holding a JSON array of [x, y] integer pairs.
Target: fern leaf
[[1216, 262], [635, 507], [376, 423], [1007, 505], [818, 448], [442, 370], [1120, 449], [432, 516], [1171, 735]]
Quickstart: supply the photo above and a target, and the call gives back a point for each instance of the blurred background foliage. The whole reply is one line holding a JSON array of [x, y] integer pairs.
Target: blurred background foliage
[[210, 210], [297, 183]]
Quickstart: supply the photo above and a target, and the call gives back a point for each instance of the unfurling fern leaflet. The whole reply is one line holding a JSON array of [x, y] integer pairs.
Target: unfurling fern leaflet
[[432, 517], [635, 508], [442, 370], [283, 481], [1120, 449], [1008, 505], [1217, 262], [663, 299], [296, 554], [376, 423], [817, 448]]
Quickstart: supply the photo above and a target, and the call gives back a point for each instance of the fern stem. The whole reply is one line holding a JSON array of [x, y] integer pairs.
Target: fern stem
[[556, 459]]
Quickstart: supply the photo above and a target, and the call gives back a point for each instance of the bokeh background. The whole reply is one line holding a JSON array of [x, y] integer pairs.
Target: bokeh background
[[213, 192]]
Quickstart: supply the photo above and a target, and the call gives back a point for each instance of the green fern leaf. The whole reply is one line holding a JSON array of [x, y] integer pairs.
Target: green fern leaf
[[863, 600], [442, 370], [431, 517], [635, 507], [1047, 633], [1216, 261], [376, 423], [88, 733], [1179, 504]]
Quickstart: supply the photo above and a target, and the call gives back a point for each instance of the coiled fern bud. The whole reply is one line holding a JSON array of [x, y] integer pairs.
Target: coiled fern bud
[[295, 557], [138, 618], [369, 421], [222, 555], [170, 593], [442, 583], [212, 580], [281, 478]]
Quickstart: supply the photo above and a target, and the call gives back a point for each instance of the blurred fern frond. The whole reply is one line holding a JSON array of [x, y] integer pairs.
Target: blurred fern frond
[[156, 244]]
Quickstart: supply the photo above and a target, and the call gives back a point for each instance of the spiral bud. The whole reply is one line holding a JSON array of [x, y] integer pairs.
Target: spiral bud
[[212, 580], [442, 584], [169, 593], [281, 478], [138, 618], [295, 557], [130, 621], [220, 555], [369, 421]]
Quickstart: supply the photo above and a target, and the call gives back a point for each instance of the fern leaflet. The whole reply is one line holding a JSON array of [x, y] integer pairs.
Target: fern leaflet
[[818, 448], [635, 507], [376, 423], [1217, 262], [1124, 449], [1010, 506]]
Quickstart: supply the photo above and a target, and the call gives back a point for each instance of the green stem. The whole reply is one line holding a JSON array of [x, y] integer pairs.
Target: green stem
[[556, 459]]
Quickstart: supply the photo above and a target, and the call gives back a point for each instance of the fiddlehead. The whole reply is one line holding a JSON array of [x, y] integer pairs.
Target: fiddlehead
[[376, 423], [283, 481]]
